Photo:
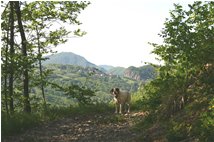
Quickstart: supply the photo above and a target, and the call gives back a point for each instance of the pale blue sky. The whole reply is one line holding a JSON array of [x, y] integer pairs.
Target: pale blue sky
[[118, 31]]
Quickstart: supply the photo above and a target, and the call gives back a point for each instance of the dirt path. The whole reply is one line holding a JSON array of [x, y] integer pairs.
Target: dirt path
[[84, 128]]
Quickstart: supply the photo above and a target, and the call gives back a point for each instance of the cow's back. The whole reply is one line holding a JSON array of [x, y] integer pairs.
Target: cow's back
[[124, 97]]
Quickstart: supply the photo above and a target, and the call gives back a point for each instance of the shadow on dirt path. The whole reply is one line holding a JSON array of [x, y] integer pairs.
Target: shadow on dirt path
[[84, 128]]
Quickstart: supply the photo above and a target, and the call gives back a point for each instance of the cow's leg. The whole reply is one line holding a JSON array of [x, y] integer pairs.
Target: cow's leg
[[120, 111], [128, 108], [116, 107]]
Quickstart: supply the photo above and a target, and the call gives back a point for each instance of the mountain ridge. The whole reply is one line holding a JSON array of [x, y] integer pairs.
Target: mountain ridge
[[68, 58], [137, 73]]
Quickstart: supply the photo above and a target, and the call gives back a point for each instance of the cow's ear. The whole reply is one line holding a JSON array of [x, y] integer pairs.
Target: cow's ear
[[117, 89]]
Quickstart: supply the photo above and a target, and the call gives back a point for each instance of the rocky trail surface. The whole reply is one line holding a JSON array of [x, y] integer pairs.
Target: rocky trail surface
[[84, 128]]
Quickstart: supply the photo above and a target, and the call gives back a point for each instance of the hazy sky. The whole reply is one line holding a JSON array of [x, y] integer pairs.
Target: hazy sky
[[118, 31]]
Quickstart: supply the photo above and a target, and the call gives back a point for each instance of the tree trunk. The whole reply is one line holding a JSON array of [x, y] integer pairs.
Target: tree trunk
[[40, 67], [12, 51], [6, 72], [27, 107]]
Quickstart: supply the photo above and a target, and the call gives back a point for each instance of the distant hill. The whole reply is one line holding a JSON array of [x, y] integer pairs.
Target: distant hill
[[68, 58], [106, 67], [136, 73], [117, 71], [140, 73]]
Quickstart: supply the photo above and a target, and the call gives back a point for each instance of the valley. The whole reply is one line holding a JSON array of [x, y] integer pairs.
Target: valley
[[68, 69]]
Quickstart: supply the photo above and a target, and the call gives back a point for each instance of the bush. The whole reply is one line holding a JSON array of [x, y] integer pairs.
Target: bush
[[17, 123]]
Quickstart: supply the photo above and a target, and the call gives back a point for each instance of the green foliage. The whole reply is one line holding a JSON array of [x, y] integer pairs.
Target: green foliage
[[182, 95], [18, 123], [81, 93], [39, 20], [178, 131], [101, 97], [188, 35]]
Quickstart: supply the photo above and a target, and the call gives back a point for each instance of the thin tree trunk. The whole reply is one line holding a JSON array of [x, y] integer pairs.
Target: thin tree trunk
[[6, 74], [40, 67], [27, 107], [12, 51]]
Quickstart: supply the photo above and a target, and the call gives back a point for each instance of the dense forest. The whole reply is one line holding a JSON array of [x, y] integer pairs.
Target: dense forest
[[178, 100]]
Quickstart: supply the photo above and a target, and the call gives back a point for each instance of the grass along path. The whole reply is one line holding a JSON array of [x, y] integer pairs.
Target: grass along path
[[105, 127]]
